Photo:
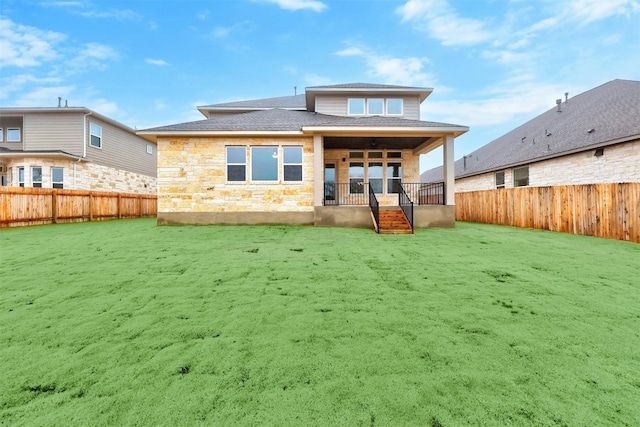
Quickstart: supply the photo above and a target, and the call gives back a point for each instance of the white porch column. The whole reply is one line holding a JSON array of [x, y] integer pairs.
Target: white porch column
[[318, 170], [449, 171]]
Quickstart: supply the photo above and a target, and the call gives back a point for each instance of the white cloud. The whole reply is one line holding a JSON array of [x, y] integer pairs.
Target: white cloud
[[15, 83], [224, 32], [159, 62], [314, 5], [392, 70], [44, 96], [89, 10], [440, 21], [587, 11], [25, 46], [312, 79]]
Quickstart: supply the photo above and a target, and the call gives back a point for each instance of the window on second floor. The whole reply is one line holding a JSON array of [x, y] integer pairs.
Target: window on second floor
[[96, 136], [356, 106], [1, 135], [395, 106], [375, 106], [149, 149], [13, 135]]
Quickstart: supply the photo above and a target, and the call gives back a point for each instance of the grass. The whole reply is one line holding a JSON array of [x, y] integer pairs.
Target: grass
[[125, 323]]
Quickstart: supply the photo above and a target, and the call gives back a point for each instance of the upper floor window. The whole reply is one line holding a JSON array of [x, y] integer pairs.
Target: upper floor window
[[1, 135], [149, 149], [292, 163], [500, 179], [13, 134], [375, 106], [236, 164], [96, 135], [356, 106], [395, 106], [521, 176]]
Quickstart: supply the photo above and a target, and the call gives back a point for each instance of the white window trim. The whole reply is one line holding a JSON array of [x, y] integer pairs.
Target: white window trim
[[149, 149], [278, 180], [227, 163], [369, 113], [528, 177], [301, 164], [33, 183], [386, 104], [364, 106], [52, 175], [1, 135], [91, 134], [19, 135], [24, 178], [504, 179]]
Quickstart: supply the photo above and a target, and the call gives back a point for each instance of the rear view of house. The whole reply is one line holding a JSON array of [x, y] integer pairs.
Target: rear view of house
[[336, 155], [73, 148]]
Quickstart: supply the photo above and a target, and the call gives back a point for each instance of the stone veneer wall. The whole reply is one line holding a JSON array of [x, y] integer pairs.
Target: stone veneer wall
[[619, 163], [410, 169], [192, 178], [83, 176]]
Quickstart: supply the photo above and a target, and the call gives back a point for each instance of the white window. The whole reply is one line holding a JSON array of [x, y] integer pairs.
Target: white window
[[394, 177], [149, 149], [264, 163], [1, 135], [236, 164], [36, 177], [96, 135], [521, 177], [375, 172], [57, 177], [500, 179], [375, 106], [356, 177], [395, 106], [21, 176], [292, 164], [356, 106], [13, 134]]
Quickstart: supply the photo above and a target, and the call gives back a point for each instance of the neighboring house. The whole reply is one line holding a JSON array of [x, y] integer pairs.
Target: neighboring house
[[313, 158], [591, 138], [73, 148]]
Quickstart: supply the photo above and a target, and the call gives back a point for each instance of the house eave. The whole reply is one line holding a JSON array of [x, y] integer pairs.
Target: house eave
[[391, 130], [153, 136], [22, 154]]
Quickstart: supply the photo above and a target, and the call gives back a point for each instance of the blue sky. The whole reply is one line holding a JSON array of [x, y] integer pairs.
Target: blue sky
[[493, 64]]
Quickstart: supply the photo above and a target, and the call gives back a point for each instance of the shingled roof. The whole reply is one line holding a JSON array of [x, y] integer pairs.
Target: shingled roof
[[293, 102], [287, 120], [606, 115]]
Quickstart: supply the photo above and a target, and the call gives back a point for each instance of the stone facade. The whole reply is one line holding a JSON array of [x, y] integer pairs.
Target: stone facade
[[82, 176], [192, 178], [618, 163]]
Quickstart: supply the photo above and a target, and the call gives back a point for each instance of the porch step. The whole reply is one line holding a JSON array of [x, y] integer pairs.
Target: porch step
[[393, 221]]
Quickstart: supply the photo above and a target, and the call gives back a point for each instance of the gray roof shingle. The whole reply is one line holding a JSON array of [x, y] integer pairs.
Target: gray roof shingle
[[598, 117], [287, 120], [285, 102]]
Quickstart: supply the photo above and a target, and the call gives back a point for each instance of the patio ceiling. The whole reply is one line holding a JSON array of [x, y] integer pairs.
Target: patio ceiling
[[376, 142]]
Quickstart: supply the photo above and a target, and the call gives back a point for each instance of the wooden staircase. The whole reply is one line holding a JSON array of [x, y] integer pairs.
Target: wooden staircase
[[393, 221]]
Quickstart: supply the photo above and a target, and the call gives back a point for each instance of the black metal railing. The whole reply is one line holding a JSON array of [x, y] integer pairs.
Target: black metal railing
[[406, 205], [349, 193], [425, 194], [375, 208]]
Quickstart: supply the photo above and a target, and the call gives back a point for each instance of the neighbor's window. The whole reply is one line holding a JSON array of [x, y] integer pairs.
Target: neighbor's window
[[292, 163], [356, 106], [13, 134], [356, 177], [395, 106], [264, 163], [376, 172], [375, 106], [149, 149], [21, 177], [500, 179], [521, 177], [236, 164], [1, 135], [57, 177], [96, 135], [36, 177], [394, 177]]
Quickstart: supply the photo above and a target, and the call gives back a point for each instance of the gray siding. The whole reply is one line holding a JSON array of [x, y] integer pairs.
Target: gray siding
[[121, 149], [337, 104], [53, 131], [11, 122]]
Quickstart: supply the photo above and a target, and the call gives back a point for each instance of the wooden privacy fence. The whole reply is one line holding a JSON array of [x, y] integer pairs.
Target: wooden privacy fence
[[30, 206], [601, 210]]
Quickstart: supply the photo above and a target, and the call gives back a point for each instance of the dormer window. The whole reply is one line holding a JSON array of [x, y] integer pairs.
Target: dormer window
[[356, 106], [375, 106], [395, 106]]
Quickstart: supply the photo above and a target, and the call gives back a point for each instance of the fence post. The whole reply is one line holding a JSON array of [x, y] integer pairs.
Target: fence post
[[54, 207], [119, 210]]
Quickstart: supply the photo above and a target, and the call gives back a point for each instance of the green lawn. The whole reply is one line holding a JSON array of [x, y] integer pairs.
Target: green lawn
[[125, 323]]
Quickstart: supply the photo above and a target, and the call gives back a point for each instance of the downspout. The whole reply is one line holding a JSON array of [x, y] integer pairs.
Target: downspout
[[84, 146]]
